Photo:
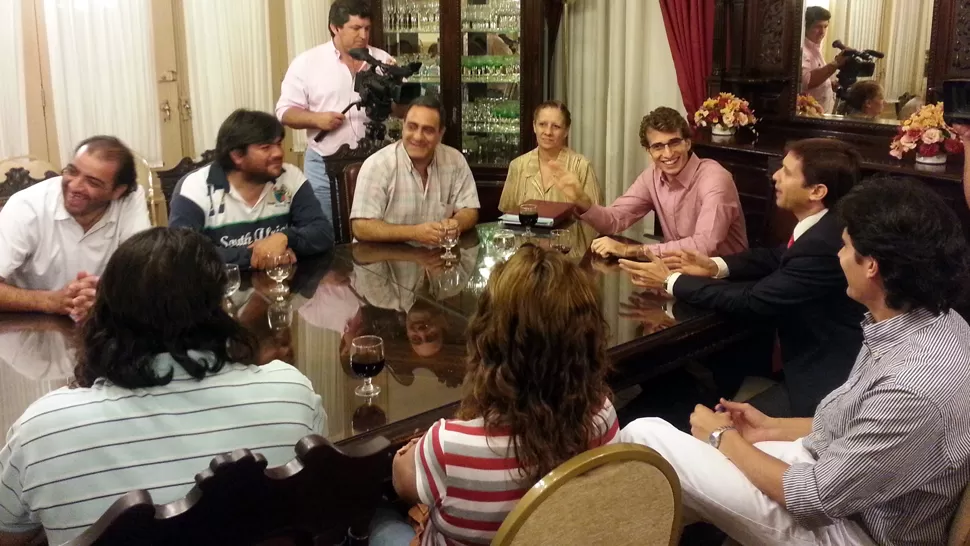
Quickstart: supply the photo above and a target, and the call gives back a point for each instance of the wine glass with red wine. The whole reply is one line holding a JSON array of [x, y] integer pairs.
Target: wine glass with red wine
[[366, 361], [528, 217], [560, 240]]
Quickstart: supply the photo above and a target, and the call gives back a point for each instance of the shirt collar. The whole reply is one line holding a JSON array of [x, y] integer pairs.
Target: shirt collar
[[881, 336], [812, 45], [686, 175], [804, 224]]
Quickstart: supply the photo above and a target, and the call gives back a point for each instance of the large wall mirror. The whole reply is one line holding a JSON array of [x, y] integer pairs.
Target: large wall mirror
[[884, 80]]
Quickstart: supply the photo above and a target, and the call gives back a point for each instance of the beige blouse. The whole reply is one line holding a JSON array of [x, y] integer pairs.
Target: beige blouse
[[524, 181]]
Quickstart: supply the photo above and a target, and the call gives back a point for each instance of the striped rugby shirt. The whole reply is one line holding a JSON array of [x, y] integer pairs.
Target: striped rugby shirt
[[892, 444], [205, 201], [469, 478], [75, 451]]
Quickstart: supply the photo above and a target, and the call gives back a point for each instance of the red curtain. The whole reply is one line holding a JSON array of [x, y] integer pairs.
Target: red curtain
[[690, 32]]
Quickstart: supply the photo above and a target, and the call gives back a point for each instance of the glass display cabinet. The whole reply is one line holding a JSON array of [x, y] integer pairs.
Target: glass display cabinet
[[485, 59]]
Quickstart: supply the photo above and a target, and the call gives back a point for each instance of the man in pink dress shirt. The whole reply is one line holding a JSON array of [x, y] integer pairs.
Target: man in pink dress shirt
[[319, 84], [695, 199], [818, 76]]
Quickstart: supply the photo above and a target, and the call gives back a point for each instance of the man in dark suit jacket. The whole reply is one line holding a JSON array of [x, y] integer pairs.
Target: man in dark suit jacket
[[800, 286]]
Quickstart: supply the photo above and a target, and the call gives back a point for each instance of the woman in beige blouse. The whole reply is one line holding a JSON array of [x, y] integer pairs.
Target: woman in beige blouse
[[532, 175]]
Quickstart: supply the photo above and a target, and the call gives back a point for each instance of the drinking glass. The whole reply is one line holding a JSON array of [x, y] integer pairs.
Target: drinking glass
[[528, 217], [279, 315], [561, 241], [280, 268], [503, 241], [366, 361], [232, 280], [448, 242]]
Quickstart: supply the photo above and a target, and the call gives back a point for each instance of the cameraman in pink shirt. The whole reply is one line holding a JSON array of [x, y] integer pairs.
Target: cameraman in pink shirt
[[319, 85]]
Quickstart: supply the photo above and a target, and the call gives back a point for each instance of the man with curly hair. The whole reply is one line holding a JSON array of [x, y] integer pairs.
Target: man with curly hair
[[695, 199], [886, 457]]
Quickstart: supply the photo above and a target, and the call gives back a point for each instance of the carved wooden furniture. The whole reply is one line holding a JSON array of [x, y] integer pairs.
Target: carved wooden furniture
[[170, 178], [343, 200], [625, 493], [154, 198], [18, 173], [323, 496]]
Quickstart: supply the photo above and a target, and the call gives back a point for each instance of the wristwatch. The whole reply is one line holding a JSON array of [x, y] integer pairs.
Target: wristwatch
[[666, 285], [715, 439]]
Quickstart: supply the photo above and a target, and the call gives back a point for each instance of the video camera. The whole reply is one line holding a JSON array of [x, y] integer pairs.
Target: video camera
[[378, 91], [858, 64]]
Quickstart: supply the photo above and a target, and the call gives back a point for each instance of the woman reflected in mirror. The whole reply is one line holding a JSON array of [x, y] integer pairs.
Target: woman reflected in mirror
[[864, 99]]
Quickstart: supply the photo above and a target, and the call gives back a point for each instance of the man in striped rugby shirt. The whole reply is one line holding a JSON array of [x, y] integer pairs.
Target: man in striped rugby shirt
[[887, 455]]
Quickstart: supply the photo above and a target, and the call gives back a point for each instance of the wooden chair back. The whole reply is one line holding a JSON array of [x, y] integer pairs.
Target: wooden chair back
[[323, 496], [170, 178], [18, 173], [621, 494]]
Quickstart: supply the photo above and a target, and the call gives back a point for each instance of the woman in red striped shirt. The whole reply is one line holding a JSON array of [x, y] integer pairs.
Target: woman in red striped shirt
[[536, 396]]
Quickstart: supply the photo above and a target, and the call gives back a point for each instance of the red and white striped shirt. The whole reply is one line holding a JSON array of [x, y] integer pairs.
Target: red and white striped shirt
[[472, 480]]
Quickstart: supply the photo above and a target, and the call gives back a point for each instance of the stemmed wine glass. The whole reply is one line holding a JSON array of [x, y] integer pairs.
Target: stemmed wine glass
[[503, 241], [449, 240], [279, 315], [280, 269], [528, 217], [366, 361]]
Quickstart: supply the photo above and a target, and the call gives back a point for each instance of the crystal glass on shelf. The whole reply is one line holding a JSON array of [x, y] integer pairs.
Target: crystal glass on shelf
[[367, 361]]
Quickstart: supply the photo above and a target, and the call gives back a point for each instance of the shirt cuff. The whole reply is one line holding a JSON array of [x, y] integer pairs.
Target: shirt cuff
[[722, 268], [670, 285], [669, 308], [802, 498]]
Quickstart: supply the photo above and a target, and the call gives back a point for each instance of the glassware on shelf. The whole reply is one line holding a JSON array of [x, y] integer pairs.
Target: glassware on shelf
[[490, 68], [411, 16], [495, 16]]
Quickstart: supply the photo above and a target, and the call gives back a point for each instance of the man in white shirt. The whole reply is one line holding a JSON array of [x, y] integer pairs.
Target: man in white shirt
[[57, 235], [319, 85], [798, 287]]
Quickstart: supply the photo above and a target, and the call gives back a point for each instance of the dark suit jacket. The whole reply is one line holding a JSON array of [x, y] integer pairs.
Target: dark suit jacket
[[802, 291]]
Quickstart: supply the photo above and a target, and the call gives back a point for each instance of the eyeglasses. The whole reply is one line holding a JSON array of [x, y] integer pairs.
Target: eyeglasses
[[659, 146], [72, 172]]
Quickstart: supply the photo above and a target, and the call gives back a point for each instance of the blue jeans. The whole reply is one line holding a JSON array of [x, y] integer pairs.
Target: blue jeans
[[316, 173], [389, 528]]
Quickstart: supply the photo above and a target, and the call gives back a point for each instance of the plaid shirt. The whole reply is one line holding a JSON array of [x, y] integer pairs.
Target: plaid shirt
[[389, 188], [893, 443]]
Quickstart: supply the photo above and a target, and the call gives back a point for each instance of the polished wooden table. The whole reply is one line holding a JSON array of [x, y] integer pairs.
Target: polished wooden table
[[417, 303]]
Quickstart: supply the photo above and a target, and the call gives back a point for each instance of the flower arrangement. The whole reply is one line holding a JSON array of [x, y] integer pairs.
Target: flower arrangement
[[725, 110], [807, 105], [927, 133]]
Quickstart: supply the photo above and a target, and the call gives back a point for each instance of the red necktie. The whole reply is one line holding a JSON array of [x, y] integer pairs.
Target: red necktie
[[791, 240]]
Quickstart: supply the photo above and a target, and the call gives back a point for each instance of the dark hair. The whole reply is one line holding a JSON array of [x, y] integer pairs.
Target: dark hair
[[242, 129], [859, 93], [537, 360], [429, 100], [342, 10], [114, 150], [815, 14], [829, 162], [665, 120], [916, 239], [161, 292], [558, 105]]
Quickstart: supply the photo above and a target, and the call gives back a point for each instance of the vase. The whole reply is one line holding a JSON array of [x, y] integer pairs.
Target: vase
[[719, 129], [938, 159], [722, 139]]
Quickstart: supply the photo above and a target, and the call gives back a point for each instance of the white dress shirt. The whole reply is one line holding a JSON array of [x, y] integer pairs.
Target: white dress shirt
[[42, 247]]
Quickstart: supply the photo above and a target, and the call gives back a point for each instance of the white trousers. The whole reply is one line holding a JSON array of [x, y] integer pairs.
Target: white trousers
[[714, 490]]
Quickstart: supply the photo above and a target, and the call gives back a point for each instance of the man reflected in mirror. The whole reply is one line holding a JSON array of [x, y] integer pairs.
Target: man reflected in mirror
[[818, 77]]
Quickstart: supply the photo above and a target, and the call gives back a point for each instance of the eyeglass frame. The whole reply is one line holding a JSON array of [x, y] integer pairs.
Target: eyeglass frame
[[674, 143]]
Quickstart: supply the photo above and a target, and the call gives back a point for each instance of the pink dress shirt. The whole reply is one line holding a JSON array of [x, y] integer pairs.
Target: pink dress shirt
[[698, 209], [319, 82], [811, 60]]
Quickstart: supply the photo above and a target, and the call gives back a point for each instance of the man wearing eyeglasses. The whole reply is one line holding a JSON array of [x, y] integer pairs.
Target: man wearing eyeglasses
[[695, 199], [57, 235]]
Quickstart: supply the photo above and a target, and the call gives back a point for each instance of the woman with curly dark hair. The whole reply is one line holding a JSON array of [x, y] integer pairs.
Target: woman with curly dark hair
[[165, 381], [536, 395]]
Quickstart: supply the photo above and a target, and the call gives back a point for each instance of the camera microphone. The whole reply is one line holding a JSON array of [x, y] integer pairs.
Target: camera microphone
[[361, 54], [839, 45]]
